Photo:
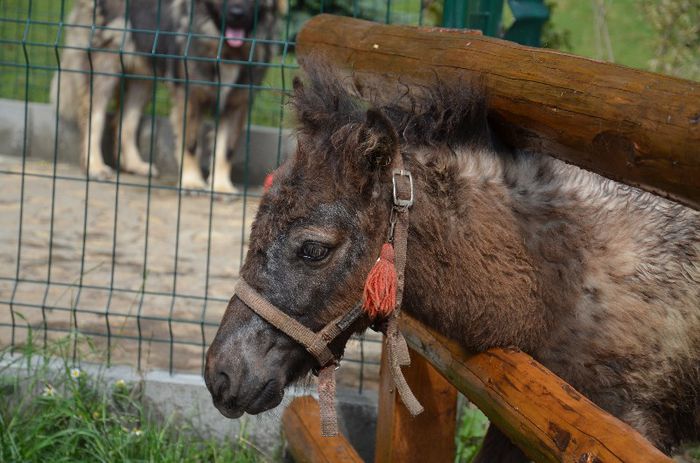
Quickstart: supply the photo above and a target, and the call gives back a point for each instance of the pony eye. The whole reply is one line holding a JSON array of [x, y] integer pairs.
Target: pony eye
[[313, 252]]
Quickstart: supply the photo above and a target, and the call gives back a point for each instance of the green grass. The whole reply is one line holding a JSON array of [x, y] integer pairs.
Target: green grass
[[269, 104], [694, 453], [470, 433], [630, 33], [28, 45], [65, 414]]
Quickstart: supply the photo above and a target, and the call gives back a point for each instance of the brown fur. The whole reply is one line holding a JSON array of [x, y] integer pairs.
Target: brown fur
[[598, 281]]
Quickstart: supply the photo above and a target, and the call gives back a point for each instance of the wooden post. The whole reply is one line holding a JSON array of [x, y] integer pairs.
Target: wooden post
[[636, 127], [302, 428], [429, 437]]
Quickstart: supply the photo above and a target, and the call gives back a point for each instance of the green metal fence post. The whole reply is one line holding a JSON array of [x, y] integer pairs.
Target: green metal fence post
[[487, 15], [484, 15], [455, 14], [530, 16]]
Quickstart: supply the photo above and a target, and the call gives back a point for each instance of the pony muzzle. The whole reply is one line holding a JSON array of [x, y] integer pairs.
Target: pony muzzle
[[242, 365]]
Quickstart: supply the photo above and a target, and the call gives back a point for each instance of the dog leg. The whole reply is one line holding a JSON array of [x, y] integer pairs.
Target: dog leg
[[138, 92], [230, 129], [102, 90], [186, 138]]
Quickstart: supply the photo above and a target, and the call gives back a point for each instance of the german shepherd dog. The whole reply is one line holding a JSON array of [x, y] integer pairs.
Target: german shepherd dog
[[204, 49]]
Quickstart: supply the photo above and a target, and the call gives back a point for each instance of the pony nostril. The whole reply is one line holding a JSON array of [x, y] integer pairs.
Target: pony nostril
[[221, 384]]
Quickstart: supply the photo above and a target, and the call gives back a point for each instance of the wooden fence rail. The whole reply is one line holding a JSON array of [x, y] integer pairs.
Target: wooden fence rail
[[547, 418], [636, 127]]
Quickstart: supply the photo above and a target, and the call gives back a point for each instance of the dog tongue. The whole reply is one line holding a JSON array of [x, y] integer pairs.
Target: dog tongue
[[234, 37]]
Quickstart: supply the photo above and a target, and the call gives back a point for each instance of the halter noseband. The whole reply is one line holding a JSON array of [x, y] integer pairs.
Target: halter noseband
[[317, 343]]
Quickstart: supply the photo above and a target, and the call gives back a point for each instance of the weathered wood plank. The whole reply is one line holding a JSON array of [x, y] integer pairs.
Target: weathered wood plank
[[632, 126], [302, 429], [542, 414], [429, 436]]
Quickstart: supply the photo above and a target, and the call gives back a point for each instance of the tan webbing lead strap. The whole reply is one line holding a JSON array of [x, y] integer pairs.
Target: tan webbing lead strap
[[397, 349], [400, 250], [326, 401]]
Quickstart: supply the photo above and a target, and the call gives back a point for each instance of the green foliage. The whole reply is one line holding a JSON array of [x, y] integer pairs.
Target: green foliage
[[554, 36], [630, 32], [269, 105], [339, 7], [470, 434], [51, 410], [677, 37], [694, 454]]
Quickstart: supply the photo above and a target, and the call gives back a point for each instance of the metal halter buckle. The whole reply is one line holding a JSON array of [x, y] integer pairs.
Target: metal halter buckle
[[400, 202]]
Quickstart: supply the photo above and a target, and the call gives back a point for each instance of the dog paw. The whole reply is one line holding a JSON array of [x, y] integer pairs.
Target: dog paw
[[193, 184], [141, 168], [100, 172], [225, 190]]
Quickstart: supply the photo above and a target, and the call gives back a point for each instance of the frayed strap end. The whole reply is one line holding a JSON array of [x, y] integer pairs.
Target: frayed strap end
[[394, 341], [397, 341], [326, 401]]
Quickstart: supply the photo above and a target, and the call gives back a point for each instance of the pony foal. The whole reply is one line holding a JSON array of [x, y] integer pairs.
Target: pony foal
[[598, 281]]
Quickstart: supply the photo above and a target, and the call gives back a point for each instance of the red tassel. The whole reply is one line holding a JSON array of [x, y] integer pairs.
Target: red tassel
[[268, 181], [380, 287]]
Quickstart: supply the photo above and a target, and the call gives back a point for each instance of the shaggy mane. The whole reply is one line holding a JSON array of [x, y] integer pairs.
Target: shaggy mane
[[452, 113]]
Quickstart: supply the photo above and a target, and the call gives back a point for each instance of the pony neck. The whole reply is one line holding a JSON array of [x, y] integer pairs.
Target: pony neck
[[486, 264]]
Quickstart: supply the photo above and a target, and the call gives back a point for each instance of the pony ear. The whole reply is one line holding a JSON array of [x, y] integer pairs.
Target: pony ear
[[380, 139]]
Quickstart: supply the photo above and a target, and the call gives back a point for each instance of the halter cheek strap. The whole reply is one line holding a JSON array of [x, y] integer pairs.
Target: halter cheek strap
[[397, 350]]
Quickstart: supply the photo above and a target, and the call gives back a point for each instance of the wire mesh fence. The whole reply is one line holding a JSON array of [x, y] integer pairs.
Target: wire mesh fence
[[144, 264]]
